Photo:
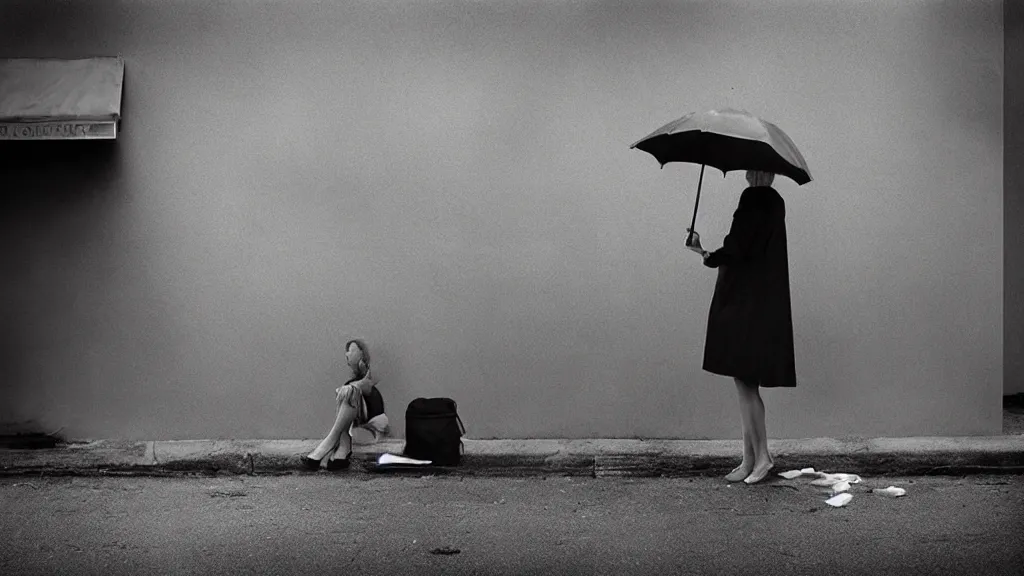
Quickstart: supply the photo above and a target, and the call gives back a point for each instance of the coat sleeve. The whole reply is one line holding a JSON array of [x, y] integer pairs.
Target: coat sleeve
[[747, 236]]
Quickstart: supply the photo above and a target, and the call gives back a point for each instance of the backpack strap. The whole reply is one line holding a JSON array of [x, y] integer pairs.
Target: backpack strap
[[461, 426]]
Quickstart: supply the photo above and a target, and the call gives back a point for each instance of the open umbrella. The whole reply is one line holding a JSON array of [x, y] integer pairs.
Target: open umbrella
[[729, 140]]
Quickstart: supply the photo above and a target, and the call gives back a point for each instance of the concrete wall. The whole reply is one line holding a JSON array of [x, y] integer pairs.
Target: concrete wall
[[1013, 208], [452, 182]]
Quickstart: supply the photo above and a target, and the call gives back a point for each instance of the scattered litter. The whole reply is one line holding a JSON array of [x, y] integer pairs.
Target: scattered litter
[[839, 500], [891, 491], [388, 459], [790, 474], [447, 551], [832, 479], [840, 487]]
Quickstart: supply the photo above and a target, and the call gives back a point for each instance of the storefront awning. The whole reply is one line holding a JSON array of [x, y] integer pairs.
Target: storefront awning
[[49, 99]]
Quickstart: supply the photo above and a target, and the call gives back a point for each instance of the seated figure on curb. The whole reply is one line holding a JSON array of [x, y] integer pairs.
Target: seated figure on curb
[[360, 412]]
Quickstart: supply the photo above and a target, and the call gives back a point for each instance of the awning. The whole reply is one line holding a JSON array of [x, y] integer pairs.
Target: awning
[[49, 99]]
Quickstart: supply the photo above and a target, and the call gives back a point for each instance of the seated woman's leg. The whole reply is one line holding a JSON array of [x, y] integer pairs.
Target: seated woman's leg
[[339, 439]]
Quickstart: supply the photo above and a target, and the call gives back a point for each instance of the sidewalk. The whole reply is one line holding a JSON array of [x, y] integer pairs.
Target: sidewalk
[[596, 458], [674, 458]]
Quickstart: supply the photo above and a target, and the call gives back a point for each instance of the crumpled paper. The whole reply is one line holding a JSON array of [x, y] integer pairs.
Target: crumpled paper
[[840, 487], [831, 479], [839, 484], [839, 499], [796, 473], [891, 491]]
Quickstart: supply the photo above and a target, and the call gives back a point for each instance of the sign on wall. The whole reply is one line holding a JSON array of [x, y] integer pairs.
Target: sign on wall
[[58, 130], [52, 99]]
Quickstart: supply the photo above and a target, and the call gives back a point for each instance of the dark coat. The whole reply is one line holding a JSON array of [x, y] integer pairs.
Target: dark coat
[[750, 326]]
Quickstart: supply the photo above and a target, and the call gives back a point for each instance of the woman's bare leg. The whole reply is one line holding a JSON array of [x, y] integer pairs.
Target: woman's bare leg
[[745, 467], [338, 438], [762, 458], [761, 446]]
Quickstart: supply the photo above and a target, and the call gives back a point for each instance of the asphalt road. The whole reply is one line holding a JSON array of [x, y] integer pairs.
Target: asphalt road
[[362, 524]]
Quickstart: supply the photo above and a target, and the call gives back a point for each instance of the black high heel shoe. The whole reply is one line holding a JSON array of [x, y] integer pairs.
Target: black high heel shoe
[[339, 463], [310, 464]]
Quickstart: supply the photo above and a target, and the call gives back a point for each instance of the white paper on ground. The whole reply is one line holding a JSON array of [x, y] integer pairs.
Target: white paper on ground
[[388, 458], [839, 500], [790, 474], [891, 491], [832, 479], [841, 487]]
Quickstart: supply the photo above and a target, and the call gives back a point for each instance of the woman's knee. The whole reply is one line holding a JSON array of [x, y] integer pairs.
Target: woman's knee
[[347, 394]]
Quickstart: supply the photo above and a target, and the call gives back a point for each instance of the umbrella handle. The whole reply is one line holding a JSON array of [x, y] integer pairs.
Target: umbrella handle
[[700, 183]]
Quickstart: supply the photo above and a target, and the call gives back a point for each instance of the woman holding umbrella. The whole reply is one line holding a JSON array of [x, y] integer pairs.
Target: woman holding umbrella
[[750, 325]]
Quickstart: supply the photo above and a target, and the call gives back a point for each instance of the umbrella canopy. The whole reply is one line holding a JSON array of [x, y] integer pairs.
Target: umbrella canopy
[[727, 139]]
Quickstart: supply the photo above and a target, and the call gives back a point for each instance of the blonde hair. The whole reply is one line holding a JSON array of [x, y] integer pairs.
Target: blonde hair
[[365, 350]]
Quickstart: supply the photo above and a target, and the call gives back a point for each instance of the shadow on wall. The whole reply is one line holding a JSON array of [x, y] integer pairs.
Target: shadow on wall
[[54, 196], [41, 175]]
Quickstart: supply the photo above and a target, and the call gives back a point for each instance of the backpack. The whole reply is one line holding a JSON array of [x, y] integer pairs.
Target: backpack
[[433, 431]]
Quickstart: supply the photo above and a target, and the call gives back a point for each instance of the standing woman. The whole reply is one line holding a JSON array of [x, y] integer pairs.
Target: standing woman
[[750, 325], [359, 403]]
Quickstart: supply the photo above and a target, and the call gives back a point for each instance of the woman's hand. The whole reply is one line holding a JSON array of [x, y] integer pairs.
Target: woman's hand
[[366, 384], [693, 243]]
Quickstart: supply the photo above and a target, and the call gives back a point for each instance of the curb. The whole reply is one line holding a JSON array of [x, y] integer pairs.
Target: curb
[[522, 458]]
